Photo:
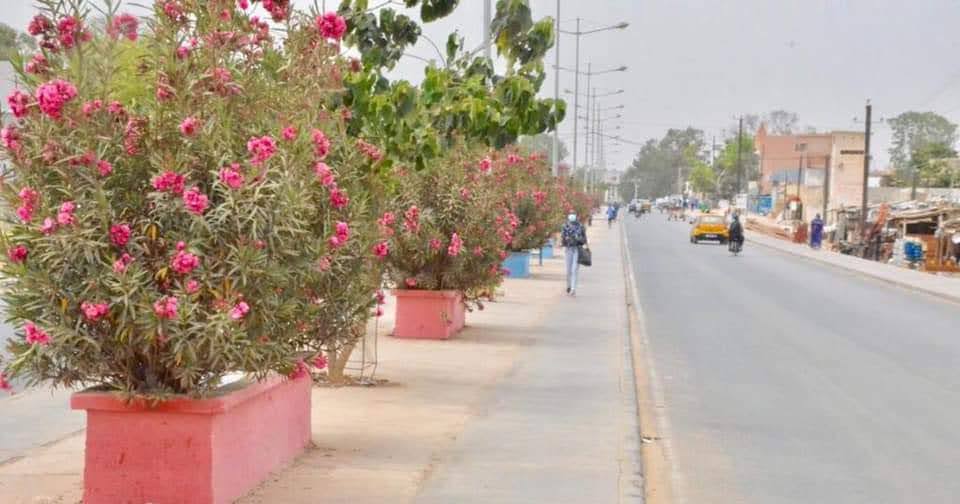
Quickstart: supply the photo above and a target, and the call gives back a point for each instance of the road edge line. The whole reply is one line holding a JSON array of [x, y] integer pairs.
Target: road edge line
[[659, 485], [949, 298]]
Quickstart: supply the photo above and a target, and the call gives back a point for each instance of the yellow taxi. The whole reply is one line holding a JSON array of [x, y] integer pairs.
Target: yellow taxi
[[709, 227]]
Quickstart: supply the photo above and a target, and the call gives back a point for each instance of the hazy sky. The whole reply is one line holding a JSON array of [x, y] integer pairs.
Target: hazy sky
[[702, 62]]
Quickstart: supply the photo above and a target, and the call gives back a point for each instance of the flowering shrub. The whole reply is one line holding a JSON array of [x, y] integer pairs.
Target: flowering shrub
[[530, 194], [448, 231], [155, 245]]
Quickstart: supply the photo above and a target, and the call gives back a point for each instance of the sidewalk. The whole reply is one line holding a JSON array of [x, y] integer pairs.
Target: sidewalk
[[524, 406], [935, 285]]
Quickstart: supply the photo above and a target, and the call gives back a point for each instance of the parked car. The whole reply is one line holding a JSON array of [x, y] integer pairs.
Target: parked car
[[709, 227]]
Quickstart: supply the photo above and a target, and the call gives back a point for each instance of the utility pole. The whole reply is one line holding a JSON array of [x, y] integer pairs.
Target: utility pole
[[800, 182], [576, 99], [487, 47], [739, 166], [556, 94], [826, 190], [866, 177]]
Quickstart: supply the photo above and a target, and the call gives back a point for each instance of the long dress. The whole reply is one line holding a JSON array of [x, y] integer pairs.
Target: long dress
[[816, 233]]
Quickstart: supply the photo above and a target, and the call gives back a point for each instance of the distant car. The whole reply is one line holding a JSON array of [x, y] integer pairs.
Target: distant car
[[709, 227]]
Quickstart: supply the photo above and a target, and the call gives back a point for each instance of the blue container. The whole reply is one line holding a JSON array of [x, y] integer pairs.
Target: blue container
[[547, 250], [518, 264]]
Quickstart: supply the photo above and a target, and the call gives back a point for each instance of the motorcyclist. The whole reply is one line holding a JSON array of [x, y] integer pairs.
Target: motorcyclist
[[736, 231]]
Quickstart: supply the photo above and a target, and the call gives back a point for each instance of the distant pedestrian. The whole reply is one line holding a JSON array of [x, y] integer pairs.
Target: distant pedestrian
[[611, 215], [816, 232], [572, 237]]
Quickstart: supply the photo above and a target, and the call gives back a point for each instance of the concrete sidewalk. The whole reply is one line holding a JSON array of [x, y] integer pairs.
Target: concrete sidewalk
[[944, 287], [529, 404]]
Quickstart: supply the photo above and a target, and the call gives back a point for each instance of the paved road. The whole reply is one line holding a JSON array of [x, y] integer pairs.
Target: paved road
[[789, 382]]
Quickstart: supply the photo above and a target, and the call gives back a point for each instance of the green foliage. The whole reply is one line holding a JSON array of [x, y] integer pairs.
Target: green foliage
[[932, 166], [912, 132], [662, 164], [535, 199], [12, 42], [542, 144]]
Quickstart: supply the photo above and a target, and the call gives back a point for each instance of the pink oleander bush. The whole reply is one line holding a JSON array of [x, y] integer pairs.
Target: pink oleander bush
[[195, 212], [531, 195], [448, 231]]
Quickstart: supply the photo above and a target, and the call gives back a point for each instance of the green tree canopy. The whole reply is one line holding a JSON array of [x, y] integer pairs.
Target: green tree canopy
[[912, 132], [12, 41], [932, 165]]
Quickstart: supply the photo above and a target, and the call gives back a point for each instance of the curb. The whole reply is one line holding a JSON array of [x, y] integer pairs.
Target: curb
[[951, 298]]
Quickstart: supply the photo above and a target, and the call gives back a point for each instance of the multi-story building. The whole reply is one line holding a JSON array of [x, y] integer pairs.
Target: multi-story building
[[824, 169]]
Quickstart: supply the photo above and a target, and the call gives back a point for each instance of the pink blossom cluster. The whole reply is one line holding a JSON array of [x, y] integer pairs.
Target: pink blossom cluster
[[189, 126], [184, 262], [18, 254], [174, 11], [319, 362], [386, 222], [94, 311], [165, 308], [300, 370], [10, 137], [261, 149], [289, 133], [381, 250], [65, 216], [369, 150], [192, 286], [456, 244], [183, 52], [239, 311], [539, 197], [331, 26], [486, 164], [53, 96], [104, 168], [169, 181], [120, 234], [37, 65], [132, 133], [325, 174], [231, 176], [321, 144], [338, 198], [120, 265], [29, 197], [124, 25], [5, 384], [19, 103], [513, 159], [411, 219], [35, 335], [435, 244], [341, 235], [278, 9]]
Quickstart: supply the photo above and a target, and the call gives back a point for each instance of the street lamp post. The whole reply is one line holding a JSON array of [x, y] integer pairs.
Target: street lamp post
[[556, 97], [576, 86]]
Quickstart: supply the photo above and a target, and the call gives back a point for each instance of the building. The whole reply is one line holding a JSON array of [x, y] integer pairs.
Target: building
[[824, 169]]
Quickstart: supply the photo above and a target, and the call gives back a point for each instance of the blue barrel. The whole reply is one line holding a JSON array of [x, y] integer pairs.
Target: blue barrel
[[518, 264]]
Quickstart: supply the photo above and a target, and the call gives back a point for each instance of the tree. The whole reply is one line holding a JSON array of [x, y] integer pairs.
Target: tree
[[543, 144], [727, 165], [662, 164], [912, 132], [702, 178], [781, 122], [12, 41], [930, 165]]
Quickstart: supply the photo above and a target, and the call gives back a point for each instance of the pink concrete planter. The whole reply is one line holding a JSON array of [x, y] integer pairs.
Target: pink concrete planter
[[424, 314], [191, 451]]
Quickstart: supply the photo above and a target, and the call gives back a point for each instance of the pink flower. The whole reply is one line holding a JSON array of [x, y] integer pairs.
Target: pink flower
[[18, 102], [380, 297], [243, 4], [410, 282], [39, 25], [18, 254], [324, 263], [120, 265], [65, 217], [378, 313], [486, 164], [325, 174], [435, 244], [261, 149], [37, 65], [184, 262], [289, 133], [321, 144], [195, 201], [369, 150], [125, 25], [35, 335], [239, 311], [381, 250], [386, 223], [183, 52], [331, 26], [189, 126], [94, 311], [169, 181], [225, 15], [11, 138], [120, 234], [343, 232], [29, 196], [49, 226], [513, 159], [5, 384], [53, 96], [300, 370], [539, 197], [464, 193], [338, 198], [69, 29], [192, 286], [104, 167], [411, 219], [165, 308], [25, 213], [455, 245], [320, 362], [231, 176], [478, 251]]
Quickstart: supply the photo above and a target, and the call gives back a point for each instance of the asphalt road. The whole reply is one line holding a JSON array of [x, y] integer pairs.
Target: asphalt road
[[786, 381]]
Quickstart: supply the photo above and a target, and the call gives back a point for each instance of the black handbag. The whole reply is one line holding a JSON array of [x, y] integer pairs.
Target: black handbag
[[584, 257]]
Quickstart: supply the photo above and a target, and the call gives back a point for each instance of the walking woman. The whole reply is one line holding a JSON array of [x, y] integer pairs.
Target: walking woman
[[572, 237]]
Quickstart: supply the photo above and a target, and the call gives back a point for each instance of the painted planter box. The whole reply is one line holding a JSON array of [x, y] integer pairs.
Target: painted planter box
[[547, 249], [518, 264], [426, 314], [192, 451]]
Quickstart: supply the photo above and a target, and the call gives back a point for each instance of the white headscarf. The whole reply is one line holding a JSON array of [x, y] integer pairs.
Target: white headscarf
[[572, 217]]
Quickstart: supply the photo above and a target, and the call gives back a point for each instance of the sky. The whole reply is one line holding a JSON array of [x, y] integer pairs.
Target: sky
[[702, 63]]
